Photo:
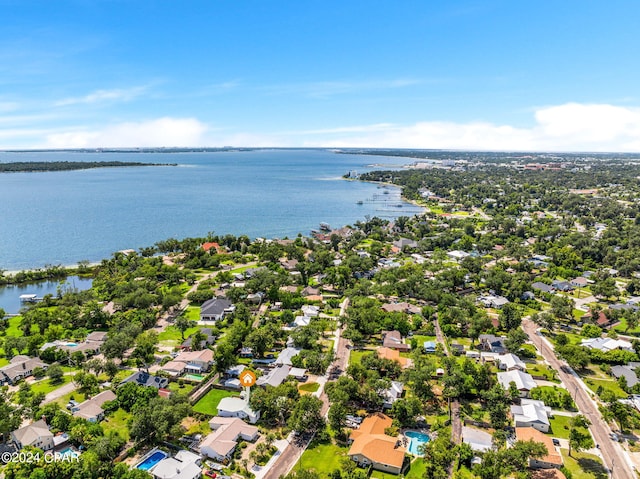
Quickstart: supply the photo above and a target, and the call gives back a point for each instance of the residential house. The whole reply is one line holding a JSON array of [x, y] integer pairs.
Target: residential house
[[371, 447], [196, 361], [479, 441], [394, 355], [532, 413], [561, 285], [238, 408], [184, 465], [579, 282], [458, 255], [494, 344], [493, 301], [310, 310], [301, 322], [430, 347], [215, 309], [627, 371], [607, 344], [286, 355], [208, 341], [523, 381], [402, 307], [275, 377], [510, 361], [545, 288], [19, 367], [393, 340], [553, 457], [392, 394], [173, 368], [405, 243], [227, 432], [91, 409], [143, 378], [36, 434]]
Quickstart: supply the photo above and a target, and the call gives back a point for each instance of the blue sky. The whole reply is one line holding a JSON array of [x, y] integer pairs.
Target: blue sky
[[486, 74]]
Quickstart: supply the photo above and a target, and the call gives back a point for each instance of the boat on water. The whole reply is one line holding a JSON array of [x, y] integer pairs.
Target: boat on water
[[360, 202], [28, 298]]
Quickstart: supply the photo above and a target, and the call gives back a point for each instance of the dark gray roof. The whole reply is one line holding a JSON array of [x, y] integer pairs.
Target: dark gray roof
[[628, 373], [215, 306], [542, 287], [143, 378]]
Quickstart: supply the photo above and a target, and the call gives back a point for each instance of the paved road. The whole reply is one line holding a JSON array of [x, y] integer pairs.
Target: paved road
[[456, 424], [615, 458], [58, 393], [296, 447]]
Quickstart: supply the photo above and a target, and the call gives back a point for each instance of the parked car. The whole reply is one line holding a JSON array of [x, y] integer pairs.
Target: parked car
[[555, 442]]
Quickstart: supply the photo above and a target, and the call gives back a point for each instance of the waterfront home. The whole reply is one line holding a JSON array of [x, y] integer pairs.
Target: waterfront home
[[532, 413], [551, 459], [215, 309], [227, 432], [19, 367], [371, 447], [91, 409], [143, 378], [36, 434], [393, 340], [523, 381]]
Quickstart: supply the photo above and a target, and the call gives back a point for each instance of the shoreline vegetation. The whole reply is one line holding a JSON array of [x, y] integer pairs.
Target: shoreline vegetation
[[42, 166]]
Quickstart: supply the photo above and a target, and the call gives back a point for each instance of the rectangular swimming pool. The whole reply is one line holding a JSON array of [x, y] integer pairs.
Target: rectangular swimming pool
[[152, 460]]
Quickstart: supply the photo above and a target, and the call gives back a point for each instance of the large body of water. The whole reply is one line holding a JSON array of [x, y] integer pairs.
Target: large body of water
[[68, 216]]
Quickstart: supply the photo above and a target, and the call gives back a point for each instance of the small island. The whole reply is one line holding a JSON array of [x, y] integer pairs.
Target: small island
[[39, 166]]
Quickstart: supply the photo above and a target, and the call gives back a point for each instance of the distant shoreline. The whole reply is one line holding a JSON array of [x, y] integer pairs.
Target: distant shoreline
[[47, 166]]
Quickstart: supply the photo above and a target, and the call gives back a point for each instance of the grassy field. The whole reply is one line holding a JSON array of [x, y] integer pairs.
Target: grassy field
[[175, 387], [559, 427], [583, 465], [356, 355], [542, 370], [64, 400], [309, 387], [209, 403], [192, 313], [3, 362], [172, 336], [117, 422], [607, 384], [323, 458], [45, 386]]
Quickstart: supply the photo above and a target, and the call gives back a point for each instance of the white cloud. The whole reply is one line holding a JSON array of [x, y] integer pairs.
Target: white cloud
[[159, 132], [568, 127], [100, 96]]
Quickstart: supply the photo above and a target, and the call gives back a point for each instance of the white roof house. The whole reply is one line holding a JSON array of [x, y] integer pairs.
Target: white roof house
[[220, 444], [523, 381], [301, 321], [480, 441], [457, 254], [237, 407], [510, 361], [185, 465], [310, 310], [286, 355], [392, 394], [532, 413], [607, 344]]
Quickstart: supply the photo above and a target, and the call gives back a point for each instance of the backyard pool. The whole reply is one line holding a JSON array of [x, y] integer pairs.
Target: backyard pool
[[194, 377], [416, 439], [151, 460], [68, 451]]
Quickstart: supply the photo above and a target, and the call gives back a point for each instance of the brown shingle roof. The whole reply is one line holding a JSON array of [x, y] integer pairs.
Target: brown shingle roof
[[531, 434], [370, 441]]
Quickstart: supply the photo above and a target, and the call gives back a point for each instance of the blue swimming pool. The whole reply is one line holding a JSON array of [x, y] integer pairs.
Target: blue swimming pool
[[69, 451], [416, 439], [152, 460]]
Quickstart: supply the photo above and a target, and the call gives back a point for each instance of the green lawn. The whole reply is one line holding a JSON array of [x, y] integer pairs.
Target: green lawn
[[323, 458], [192, 313], [356, 355], [172, 336], [607, 384], [583, 465], [542, 370], [309, 387], [175, 387], [3, 362], [14, 327], [559, 427], [45, 386], [117, 421], [209, 403], [64, 400]]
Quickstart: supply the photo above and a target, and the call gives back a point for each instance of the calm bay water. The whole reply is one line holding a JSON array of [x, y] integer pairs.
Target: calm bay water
[[65, 217], [10, 295]]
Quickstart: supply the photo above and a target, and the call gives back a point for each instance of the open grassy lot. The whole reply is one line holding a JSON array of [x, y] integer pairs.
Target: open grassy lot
[[171, 337], [322, 458], [356, 355], [583, 465], [209, 403], [117, 421], [559, 427], [64, 400], [606, 384], [309, 387], [45, 386], [192, 313], [542, 370]]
